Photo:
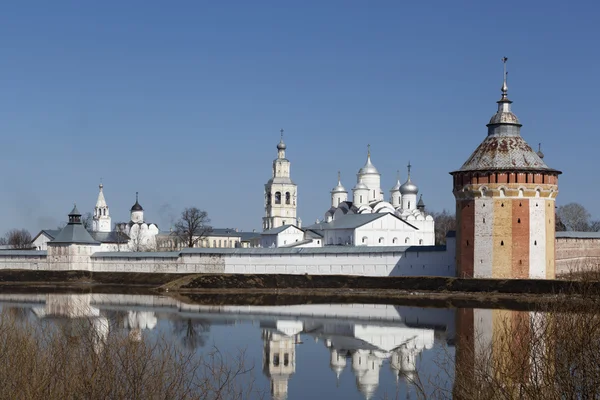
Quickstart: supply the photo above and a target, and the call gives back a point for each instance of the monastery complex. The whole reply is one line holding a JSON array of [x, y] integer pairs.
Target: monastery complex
[[505, 208]]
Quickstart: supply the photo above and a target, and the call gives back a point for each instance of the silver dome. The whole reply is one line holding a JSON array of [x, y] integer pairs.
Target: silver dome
[[503, 117], [369, 168], [281, 145], [339, 189], [361, 186], [409, 188], [396, 186]]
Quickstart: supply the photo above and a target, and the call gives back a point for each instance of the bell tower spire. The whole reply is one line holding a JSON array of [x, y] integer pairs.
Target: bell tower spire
[[280, 192], [101, 221]]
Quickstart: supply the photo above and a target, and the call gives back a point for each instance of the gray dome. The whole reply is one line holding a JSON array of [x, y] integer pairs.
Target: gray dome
[[369, 168], [281, 145], [396, 187], [504, 118], [339, 189], [360, 186], [409, 188]]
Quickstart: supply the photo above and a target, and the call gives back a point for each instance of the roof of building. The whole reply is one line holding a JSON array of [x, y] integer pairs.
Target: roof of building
[[300, 250], [133, 254], [74, 232], [110, 237], [51, 233], [498, 152], [296, 244], [504, 148], [278, 230], [578, 235], [368, 168], [23, 253], [351, 221], [247, 236], [312, 234], [136, 206]]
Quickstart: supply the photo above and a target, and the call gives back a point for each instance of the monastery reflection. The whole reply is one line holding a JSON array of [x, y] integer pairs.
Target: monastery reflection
[[361, 338]]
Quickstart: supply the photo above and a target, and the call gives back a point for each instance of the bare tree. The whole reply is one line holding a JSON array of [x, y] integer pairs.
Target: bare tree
[[139, 242], [575, 217], [87, 221], [120, 236], [3, 241], [192, 226], [192, 333], [19, 239], [444, 222], [595, 226]]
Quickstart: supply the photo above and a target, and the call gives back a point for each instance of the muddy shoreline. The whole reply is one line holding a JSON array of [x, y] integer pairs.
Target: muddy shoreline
[[223, 289]]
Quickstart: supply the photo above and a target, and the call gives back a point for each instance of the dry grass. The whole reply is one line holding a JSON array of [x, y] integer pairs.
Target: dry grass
[[504, 354], [69, 359]]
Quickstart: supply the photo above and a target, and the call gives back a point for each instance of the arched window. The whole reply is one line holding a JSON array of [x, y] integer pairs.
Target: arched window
[[364, 239], [339, 240], [361, 198], [287, 197], [406, 240], [269, 199], [395, 240], [409, 205], [381, 240], [420, 241], [214, 243], [277, 197]]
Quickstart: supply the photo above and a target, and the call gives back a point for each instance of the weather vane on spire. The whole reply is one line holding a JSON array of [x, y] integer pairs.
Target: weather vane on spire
[[504, 77], [281, 131]]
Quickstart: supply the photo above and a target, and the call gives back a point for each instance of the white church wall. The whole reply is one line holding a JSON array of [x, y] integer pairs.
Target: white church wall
[[41, 242]]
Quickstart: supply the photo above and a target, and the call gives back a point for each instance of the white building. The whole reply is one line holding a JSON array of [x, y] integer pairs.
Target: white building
[[280, 193], [142, 234], [367, 198]]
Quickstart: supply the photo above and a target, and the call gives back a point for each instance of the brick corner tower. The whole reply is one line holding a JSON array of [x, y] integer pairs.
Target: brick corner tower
[[505, 200]]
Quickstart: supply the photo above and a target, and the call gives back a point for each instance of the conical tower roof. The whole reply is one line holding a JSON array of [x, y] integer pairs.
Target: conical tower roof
[[504, 148], [74, 232]]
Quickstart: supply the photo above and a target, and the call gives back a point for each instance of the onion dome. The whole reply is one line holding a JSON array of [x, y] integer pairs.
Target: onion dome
[[396, 187], [339, 188], [136, 206], [360, 186], [408, 187], [421, 204], [368, 168], [539, 152], [281, 145]]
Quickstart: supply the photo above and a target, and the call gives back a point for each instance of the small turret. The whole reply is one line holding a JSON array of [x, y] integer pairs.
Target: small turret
[[339, 193]]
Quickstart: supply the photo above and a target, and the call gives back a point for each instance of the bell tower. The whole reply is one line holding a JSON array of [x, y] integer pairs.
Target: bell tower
[[101, 219], [280, 193], [505, 199]]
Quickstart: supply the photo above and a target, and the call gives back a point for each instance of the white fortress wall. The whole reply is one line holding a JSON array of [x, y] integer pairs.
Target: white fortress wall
[[362, 261]]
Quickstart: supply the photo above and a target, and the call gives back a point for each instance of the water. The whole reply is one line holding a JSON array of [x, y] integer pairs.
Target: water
[[318, 351]]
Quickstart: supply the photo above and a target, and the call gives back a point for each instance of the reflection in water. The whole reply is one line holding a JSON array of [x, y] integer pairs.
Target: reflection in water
[[359, 337]]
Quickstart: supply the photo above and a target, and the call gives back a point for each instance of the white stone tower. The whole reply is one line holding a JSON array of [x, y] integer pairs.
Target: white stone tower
[[280, 193], [101, 220], [339, 193]]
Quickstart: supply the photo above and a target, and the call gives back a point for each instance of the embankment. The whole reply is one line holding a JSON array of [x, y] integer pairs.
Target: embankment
[[337, 284]]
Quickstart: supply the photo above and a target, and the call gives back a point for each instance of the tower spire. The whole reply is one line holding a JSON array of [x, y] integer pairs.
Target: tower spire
[[505, 77], [368, 151], [339, 178], [409, 167]]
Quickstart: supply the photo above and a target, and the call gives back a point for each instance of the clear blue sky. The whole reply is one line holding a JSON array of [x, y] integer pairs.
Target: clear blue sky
[[183, 101]]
